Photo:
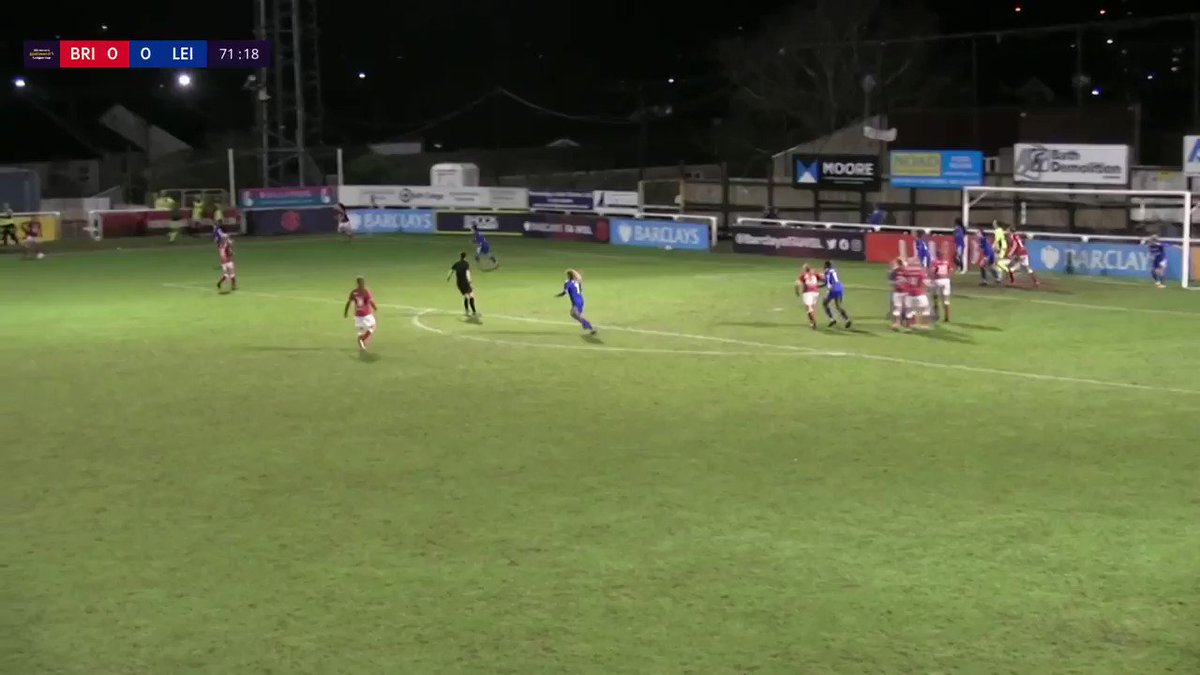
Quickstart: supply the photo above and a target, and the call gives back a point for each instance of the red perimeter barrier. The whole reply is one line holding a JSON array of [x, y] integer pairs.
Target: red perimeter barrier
[[887, 246]]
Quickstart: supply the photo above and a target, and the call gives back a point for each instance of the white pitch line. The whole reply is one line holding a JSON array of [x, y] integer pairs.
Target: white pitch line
[[545, 322], [416, 321], [798, 349]]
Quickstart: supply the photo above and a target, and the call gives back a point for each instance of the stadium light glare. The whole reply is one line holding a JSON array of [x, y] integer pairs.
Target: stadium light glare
[[19, 82], [183, 80]]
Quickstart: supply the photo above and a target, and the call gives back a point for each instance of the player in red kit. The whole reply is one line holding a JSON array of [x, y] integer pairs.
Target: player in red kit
[[364, 312], [808, 287], [1019, 259], [343, 220], [916, 304], [33, 239], [228, 273], [899, 285], [942, 270]]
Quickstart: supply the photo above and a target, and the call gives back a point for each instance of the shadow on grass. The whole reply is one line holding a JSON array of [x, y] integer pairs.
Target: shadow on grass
[[975, 326], [367, 357], [591, 339], [477, 320], [944, 335]]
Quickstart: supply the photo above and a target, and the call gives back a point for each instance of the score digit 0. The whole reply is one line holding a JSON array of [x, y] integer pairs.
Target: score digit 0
[[144, 53], [113, 52]]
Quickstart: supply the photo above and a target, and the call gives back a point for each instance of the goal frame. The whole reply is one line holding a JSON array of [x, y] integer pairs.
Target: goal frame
[[1185, 197]]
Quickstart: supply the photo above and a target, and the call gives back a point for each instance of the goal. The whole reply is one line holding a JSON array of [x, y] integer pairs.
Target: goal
[[1092, 231]]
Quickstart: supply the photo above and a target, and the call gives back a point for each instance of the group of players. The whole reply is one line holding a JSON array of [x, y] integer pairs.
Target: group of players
[[1003, 252]]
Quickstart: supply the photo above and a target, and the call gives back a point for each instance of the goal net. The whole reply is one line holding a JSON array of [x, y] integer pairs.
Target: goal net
[[1094, 232]]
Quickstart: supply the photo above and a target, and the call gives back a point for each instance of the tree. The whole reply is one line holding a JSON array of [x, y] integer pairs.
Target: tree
[[822, 65]]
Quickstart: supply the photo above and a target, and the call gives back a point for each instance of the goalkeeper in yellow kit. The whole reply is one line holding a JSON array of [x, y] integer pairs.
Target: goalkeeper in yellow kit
[[1000, 242]]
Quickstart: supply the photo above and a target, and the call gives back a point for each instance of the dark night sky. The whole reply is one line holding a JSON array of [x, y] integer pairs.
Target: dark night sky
[[425, 59]]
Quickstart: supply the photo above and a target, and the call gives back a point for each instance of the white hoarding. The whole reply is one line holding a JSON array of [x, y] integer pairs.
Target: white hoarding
[[1191, 155], [1081, 164], [432, 197]]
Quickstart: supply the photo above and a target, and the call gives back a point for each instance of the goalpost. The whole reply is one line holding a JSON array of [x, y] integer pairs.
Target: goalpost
[[1048, 213]]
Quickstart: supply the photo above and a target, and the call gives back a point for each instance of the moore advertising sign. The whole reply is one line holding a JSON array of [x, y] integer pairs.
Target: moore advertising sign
[[661, 234], [1071, 163], [392, 221], [937, 169], [835, 172], [1098, 259]]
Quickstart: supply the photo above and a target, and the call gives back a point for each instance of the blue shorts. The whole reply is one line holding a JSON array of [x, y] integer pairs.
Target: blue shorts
[[577, 309], [989, 258], [959, 247], [1160, 262], [835, 295], [925, 260], [483, 249]]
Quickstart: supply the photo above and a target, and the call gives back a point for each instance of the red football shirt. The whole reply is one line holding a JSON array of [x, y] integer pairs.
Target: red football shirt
[[226, 251], [362, 300], [811, 282], [916, 279], [1017, 244], [941, 269]]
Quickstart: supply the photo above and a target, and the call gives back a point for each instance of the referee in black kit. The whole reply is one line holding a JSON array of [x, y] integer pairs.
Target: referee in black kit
[[461, 271]]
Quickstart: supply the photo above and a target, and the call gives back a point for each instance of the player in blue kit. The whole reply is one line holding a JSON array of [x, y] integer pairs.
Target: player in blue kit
[[1158, 261], [960, 244], [923, 254], [987, 259], [834, 293], [482, 247], [574, 289]]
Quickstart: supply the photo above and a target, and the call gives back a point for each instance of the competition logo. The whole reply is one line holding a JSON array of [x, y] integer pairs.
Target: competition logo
[[625, 232], [1050, 257]]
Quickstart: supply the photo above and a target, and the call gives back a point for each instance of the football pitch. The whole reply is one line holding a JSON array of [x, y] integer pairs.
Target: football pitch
[[201, 483]]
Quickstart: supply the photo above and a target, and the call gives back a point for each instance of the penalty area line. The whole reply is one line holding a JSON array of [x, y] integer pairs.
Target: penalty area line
[[1016, 374]]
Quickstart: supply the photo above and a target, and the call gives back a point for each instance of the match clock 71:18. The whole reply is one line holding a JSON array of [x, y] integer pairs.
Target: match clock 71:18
[[239, 54]]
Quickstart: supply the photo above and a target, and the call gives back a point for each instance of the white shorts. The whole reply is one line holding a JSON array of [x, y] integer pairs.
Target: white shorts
[[227, 268], [364, 323], [1020, 262], [916, 302], [898, 300], [942, 286], [32, 241], [345, 228], [810, 299]]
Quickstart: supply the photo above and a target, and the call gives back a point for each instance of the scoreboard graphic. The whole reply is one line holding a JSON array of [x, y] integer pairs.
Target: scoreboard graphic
[[117, 54]]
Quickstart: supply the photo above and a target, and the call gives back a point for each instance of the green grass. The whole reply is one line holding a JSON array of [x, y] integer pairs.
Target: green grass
[[197, 483]]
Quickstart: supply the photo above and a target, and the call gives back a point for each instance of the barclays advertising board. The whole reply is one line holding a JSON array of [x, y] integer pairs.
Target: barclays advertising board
[[660, 234], [392, 221], [1098, 258]]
